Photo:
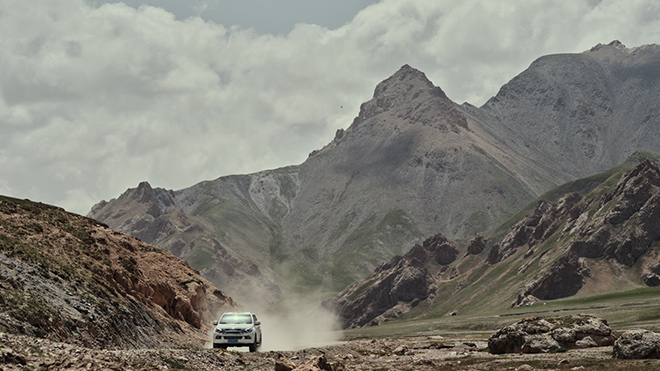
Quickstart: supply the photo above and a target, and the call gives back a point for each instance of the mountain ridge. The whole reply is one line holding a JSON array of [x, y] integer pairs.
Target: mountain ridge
[[572, 106], [412, 164]]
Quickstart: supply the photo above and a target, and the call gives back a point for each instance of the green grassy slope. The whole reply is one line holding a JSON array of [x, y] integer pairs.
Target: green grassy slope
[[482, 293]]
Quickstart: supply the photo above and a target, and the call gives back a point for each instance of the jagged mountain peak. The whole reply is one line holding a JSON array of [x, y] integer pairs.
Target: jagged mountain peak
[[407, 99], [409, 95], [144, 193], [618, 55], [615, 44], [140, 205], [406, 80], [144, 186]]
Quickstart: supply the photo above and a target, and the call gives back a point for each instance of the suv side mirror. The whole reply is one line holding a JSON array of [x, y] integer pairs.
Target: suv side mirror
[[215, 323], [258, 323]]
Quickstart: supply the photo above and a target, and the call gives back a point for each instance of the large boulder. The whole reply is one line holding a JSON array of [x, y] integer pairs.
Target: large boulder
[[637, 344], [543, 335]]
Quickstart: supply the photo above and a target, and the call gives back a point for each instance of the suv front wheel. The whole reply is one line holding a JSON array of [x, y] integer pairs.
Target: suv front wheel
[[254, 346]]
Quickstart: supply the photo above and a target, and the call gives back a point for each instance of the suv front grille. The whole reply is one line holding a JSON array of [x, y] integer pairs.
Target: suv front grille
[[233, 337]]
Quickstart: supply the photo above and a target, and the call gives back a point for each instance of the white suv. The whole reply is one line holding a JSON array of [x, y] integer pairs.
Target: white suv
[[237, 329]]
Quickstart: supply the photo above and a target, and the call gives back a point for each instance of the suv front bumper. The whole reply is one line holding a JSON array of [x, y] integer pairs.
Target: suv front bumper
[[233, 339]]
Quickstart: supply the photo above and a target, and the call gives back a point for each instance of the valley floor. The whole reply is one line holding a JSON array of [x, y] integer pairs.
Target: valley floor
[[455, 352]]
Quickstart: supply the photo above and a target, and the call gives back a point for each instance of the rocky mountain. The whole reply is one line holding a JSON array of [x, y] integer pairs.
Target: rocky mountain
[[580, 114], [71, 279], [388, 180], [411, 165], [596, 234]]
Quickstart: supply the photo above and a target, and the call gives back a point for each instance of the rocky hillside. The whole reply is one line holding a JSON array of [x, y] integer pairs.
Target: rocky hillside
[[68, 278], [411, 165], [215, 226], [592, 235]]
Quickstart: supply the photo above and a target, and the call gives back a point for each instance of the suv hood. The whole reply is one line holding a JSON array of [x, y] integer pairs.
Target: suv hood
[[229, 326]]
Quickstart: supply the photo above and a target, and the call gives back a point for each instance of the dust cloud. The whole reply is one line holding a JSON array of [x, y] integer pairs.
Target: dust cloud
[[298, 325], [295, 323]]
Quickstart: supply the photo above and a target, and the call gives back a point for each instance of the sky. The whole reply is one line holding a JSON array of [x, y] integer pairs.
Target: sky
[[97, 96]]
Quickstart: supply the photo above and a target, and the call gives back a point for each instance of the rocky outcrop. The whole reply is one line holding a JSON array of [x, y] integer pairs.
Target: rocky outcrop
[[72, 279], [630, 220], [651, 274], [637, 344], [543, 335], [564, 278], [538, 226], [477, 245], [620, 225], [396, 286], [444, 251]]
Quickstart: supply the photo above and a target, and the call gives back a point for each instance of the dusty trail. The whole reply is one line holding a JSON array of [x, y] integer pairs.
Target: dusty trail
[[415, 353]]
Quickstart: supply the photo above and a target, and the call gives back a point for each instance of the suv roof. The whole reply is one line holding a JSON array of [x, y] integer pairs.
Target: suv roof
[[234, 313]]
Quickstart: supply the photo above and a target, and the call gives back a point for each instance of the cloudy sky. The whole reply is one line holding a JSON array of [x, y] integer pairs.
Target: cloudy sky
[[96, 96]]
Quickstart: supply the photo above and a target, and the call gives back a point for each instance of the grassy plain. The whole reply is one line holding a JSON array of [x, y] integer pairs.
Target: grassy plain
[[623, 310]]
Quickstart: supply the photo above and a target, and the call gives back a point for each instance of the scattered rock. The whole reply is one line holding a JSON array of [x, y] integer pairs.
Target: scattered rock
[[586, 342], [19, 352], [539, 335], [315, 364], [9, 357], [637, 344], [284, 364], [400, 350], [539, 343], [525, 300], [651, 279]]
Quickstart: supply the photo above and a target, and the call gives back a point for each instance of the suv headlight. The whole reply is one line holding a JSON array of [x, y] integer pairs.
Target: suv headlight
[[249, 330]]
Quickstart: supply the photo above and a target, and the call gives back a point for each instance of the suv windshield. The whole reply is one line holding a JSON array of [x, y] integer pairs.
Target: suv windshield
[[236, 319]]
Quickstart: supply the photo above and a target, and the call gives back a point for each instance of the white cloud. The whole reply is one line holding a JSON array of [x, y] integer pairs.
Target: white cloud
[[95, 99]]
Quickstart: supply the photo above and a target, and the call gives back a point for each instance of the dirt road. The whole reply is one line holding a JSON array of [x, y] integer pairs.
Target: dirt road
[[417, 353]]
